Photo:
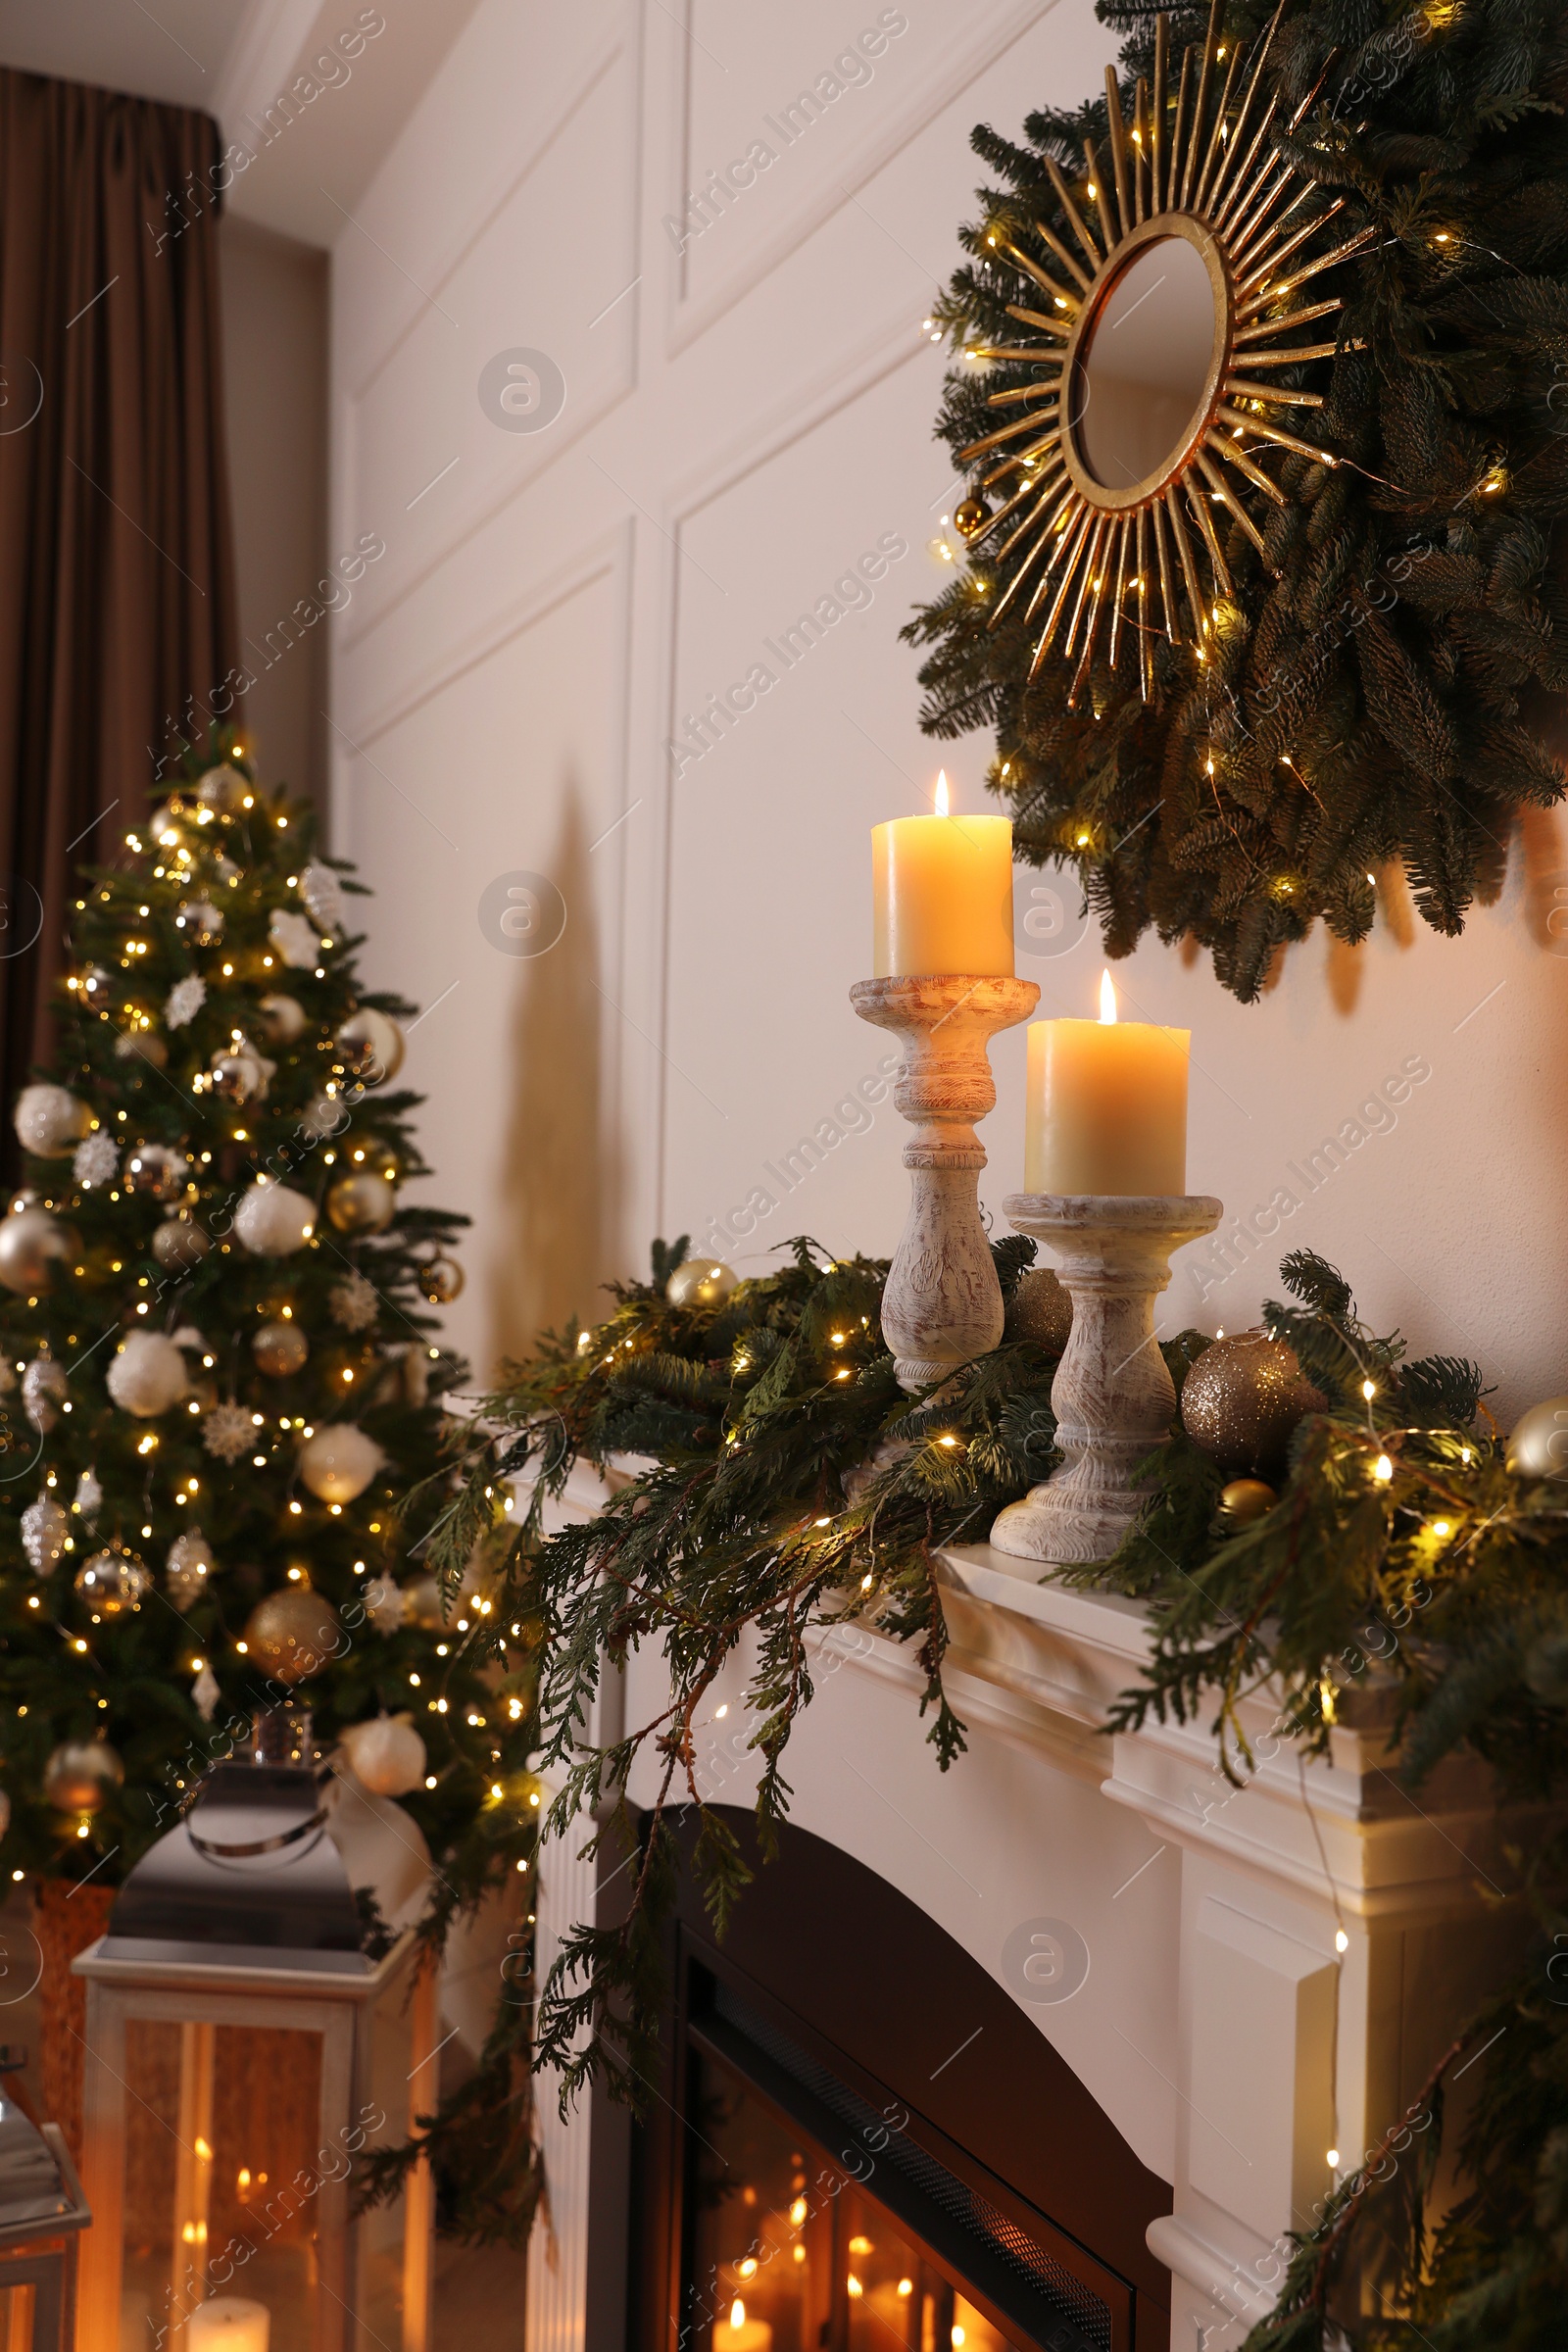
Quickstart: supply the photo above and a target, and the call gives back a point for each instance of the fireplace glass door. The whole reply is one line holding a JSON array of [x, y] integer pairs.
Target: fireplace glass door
[[807, 2230]]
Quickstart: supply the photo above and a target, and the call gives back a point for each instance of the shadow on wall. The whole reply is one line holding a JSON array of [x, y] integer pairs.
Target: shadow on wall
[[560, 1171]]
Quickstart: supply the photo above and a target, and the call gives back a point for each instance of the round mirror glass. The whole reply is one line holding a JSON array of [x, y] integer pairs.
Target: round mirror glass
[[1139, 379]]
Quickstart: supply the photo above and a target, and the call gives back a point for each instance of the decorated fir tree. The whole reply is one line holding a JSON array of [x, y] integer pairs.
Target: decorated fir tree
[[220, 1374]]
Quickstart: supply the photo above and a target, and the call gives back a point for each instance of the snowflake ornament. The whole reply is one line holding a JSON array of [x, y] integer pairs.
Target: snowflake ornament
[[227, 1431], [97, 1160], [184, 1002], [354, 1302], [294, 938]]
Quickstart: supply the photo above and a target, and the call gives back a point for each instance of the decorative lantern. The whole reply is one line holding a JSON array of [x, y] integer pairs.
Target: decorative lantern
[[42, 2209], [256, 2023]]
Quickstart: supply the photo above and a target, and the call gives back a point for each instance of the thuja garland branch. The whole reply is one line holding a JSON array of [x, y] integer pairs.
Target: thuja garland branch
[[784, 1483]]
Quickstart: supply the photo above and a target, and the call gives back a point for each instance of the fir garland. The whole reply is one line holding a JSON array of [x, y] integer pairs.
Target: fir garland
[[1387, 697], [792, 1484]]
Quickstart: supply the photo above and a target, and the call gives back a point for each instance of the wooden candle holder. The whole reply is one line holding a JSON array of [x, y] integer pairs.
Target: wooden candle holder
[[943, 1304], [1113, 1396]]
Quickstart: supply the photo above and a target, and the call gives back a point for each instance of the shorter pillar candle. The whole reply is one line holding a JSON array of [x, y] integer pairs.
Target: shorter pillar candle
[[229, 2324], [943, 899], [738, 2334], [1107, 1105]]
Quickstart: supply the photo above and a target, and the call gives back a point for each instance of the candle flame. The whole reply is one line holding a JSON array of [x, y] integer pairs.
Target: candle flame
[[737, 2313], [942, 792], [1108, 1001]]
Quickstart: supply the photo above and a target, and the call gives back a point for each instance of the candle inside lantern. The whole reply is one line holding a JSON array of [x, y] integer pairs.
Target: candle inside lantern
[[738, 2334], [1107, 1108], [229, 2324], [943, 894]]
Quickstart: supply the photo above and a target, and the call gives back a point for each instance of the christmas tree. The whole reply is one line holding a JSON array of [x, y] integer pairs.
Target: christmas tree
[[220, 1371]]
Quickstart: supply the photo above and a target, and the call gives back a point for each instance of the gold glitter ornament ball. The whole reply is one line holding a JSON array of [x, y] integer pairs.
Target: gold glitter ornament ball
[[293, 1633], [1539, 1446], [1242, 1398], [1040, 1309], [81, 1773], [280, 1348], [701, 1282]]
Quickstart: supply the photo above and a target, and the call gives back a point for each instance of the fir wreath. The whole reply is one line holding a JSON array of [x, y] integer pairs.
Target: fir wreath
[[1390, 696]]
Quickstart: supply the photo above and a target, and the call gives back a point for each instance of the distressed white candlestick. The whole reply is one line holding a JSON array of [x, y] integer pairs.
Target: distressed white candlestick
[[943, 1304], [1113, 1396]]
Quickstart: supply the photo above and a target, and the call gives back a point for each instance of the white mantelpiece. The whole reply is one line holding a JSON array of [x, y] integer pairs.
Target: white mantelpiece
[[1219, 2026]]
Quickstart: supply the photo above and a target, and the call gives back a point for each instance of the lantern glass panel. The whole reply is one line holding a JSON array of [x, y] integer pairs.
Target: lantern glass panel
[[17, 2308], [222, 2171]]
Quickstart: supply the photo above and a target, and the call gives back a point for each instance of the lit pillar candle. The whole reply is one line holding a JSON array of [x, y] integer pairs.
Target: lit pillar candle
[[943, 894], [1107, 1108], [738, 2334], [229, 2324]]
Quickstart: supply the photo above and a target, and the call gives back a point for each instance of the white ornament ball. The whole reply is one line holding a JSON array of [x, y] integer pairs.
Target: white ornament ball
[[44, 1528], [30, 1245], [283, 1019], [387, 1754], [273, 1220], [50, 1121], [190, 1565], [147, 1375], [372, 1044], [339, 1462]]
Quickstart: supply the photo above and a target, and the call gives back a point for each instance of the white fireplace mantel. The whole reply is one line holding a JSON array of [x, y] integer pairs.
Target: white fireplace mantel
[[1268, 1971]]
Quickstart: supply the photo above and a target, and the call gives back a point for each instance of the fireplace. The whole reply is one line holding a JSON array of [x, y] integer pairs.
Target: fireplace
[[862, 2145], [1077, 2031]]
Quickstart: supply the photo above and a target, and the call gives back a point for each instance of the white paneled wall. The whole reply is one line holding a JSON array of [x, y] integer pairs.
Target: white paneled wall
[[724, 222]]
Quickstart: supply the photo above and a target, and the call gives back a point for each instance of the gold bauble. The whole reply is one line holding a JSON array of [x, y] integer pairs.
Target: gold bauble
[[441, 1280], [372, 1045], [1040, 1309], [80, 1775], [701, 1282], [279, 1349], [1246, 1500], [293, 1633], [113, 1583], [969, 515], [1539, 1446], [363, 1203], [223, 788], [178, 1244], [1243, 1397]]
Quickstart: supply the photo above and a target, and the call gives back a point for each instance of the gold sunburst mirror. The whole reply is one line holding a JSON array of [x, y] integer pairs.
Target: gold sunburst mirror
[[1183, 283]]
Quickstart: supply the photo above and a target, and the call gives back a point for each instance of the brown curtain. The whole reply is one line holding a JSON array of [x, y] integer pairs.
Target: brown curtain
[[118, 615]]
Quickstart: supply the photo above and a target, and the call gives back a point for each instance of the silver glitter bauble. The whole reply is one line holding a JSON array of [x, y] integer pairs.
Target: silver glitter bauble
[[45, 1525], [223, 788], [44, 1391], [190, 1565], [50, 1121]]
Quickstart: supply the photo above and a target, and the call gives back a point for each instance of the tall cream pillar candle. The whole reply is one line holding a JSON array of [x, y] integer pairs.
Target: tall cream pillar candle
[[942, 898], [1107, 1105]]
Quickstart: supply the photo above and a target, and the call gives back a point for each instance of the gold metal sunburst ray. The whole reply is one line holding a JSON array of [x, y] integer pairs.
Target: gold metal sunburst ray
[[1196, 172]]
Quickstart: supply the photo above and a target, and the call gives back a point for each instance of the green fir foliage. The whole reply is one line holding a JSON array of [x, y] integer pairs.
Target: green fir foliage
[[1381, 688]]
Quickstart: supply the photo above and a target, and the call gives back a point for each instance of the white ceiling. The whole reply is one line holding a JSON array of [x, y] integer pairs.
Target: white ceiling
[[173, 49], [234, 58]]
